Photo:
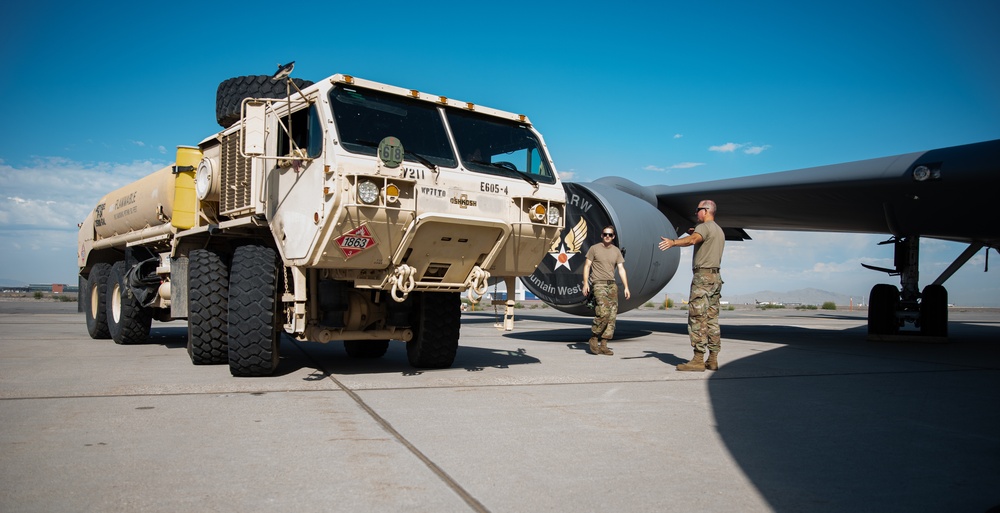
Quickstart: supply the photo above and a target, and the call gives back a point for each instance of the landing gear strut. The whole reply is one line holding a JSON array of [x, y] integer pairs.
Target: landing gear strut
[[890, 309]]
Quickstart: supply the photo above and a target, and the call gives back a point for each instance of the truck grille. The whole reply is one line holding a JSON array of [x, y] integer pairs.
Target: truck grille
[[235, 181]]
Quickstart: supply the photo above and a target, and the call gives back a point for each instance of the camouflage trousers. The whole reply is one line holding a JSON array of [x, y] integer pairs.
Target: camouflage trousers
[[703, 312], [606, 311]]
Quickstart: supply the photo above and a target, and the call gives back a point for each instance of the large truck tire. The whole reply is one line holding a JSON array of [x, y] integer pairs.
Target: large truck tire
[[208, 308], [95, 306], [128, 320], [254, 331], [232, 92], [366, 348], [436, 320]]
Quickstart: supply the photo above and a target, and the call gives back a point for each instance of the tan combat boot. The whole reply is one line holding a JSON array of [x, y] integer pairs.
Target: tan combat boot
[[697, 364], [604, 347], [712, 363], [594, 348]]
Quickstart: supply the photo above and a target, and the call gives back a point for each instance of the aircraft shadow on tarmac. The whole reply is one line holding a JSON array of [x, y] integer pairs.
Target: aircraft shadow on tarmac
[[877, 427], [832, 422]]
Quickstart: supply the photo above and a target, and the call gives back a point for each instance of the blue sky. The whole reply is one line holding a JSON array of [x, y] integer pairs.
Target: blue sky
[[97, 95]]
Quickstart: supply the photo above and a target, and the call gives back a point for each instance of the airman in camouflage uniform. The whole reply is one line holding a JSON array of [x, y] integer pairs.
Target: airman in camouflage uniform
[[703, 312], [606, 310], [706, 288], [603, 259]]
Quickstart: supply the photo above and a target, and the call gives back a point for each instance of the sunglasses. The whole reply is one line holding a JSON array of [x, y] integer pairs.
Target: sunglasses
[[605, 234], [701, 208]]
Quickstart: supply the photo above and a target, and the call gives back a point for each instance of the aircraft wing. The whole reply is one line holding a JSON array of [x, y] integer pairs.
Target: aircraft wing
[[947, 193]]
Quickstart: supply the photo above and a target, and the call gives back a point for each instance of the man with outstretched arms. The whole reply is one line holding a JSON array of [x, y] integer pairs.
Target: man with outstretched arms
[[706, 287]]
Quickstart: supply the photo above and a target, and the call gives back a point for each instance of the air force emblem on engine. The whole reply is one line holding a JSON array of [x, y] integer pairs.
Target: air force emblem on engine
[[564, 249]]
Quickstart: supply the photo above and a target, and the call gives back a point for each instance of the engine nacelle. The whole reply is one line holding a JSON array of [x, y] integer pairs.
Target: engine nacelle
[[631, 209]]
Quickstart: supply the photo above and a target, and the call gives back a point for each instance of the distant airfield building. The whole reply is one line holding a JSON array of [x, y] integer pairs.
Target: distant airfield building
[[55, 288]]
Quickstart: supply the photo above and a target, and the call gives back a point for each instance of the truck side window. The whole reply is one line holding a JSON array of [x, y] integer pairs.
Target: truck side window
[[307, 133]]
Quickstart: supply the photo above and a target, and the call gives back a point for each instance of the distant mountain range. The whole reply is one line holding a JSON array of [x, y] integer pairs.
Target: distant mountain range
[[801, 296]]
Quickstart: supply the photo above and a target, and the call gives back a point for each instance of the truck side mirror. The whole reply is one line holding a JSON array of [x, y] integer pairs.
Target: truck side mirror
[[253, 129]]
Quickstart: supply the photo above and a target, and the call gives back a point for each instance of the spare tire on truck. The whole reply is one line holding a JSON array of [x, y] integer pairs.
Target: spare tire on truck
[[233, 91]]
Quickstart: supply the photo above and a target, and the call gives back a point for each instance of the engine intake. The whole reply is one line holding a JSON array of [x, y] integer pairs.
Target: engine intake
[[558, 279]]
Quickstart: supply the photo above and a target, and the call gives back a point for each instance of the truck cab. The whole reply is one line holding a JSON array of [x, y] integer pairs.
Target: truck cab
[[376, 206]]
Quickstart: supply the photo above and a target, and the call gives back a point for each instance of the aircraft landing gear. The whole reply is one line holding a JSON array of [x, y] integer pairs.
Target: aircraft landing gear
[[883, 302], [890, 309], [934, 311]]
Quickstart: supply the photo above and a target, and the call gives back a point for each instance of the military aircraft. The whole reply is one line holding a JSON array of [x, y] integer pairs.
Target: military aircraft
[[905, 196]]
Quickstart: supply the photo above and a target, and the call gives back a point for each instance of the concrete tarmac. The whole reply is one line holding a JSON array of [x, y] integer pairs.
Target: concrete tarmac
[[804, 415]]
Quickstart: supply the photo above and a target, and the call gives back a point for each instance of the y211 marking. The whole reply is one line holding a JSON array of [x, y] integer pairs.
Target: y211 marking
[[415, 174]]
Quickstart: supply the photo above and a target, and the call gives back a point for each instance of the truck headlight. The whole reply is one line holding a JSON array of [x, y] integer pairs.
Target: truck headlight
[[391, 193], [553, 215], [538, 212], [367, 192], [204, 179]]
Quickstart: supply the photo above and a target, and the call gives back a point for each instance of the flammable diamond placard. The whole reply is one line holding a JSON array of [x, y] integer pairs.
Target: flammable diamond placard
[[356, 241]]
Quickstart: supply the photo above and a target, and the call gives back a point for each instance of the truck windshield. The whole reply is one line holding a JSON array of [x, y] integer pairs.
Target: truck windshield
[[491, 145], [364, 117]]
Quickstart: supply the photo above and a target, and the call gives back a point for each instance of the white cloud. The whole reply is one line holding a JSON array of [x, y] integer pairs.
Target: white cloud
[[41, 213], [726, 148], [730, 147], [54, 191], [783, 261], [678, 136], [679, 165], [42, 204], [566, 175]]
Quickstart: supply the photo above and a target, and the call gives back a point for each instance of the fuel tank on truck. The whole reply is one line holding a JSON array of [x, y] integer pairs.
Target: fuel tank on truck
[[558, 279], [164, 196]]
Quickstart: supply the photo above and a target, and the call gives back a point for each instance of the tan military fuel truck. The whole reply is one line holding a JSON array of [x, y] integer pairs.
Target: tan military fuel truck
[[338, 210]]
